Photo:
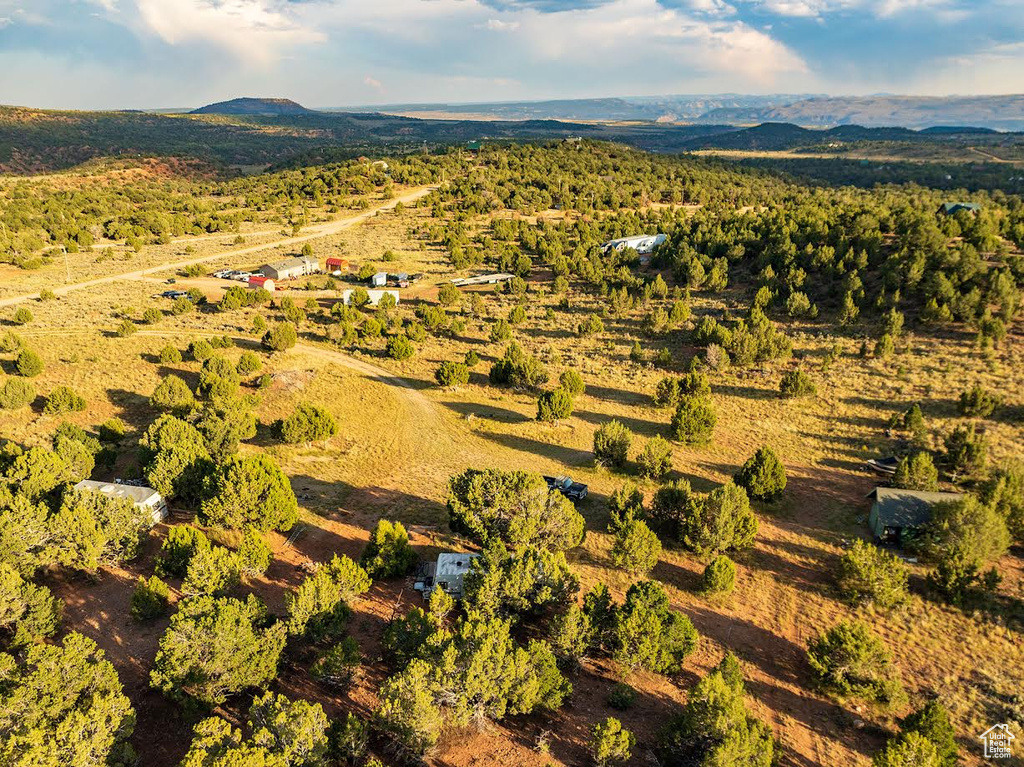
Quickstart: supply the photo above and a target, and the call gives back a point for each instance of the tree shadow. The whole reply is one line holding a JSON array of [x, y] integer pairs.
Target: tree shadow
[[489, 412]]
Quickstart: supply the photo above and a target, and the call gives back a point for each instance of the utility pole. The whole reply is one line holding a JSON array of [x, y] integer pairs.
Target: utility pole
[[67, 267]]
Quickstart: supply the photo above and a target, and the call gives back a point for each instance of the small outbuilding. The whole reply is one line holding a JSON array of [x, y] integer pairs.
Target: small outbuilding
[[267, 283], [143, 497], [447, 574], [290, 268], [897, 514], [379, 280], [335, 264]]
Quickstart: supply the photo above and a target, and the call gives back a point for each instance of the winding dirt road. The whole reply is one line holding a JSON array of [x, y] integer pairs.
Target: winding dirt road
[[314, 232]]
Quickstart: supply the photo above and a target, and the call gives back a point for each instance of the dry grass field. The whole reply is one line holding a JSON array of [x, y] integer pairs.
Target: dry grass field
[[402, 436]]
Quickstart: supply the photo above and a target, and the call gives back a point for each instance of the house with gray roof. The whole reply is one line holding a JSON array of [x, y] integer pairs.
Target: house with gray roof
[[897, 514]]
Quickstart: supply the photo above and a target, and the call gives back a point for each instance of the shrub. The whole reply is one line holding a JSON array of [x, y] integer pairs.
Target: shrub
[[451, 374], [28, 363], [309, 423], [868, 574], [16, 393], [250, 491], [280, 337], [172, 395], [472, 359], [170, 355], [517, 315], [720, 521], [909, 750], [47, 295], [254, 553], [500, 331], [917, 472], [554, 405], [931, 722], [212, 571], [647, 634], [388, 553], [126, 328], [796, 383], [449, 295], [719, 576], [22, 316], [337, 666], [610, 743], [514, 507], [962, 537], [63, 399], [518, 369], [1004, 492], [966, 450], [763, 476], [182, 305], [635, 548], [181, 543], [850, 660], [976, 402], [399, 348], [200, 349], [622, 696], [150, 599], [694, 420], [715, 727], [214, 648], [655, 460], [572, 382], [612, 441], [248, 362]]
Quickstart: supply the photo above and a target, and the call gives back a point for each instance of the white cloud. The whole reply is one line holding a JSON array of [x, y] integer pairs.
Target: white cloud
[[998, 70], [497, 25], [795, 8], [252, 30]]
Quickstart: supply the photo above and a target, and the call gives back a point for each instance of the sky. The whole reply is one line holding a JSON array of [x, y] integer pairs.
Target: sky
[[144, 54]]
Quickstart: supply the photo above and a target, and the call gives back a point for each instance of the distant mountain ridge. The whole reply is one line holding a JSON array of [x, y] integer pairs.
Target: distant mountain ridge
[[1004, 113], [253, 106]]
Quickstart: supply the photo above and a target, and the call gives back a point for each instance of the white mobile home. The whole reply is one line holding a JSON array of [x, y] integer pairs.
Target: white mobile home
[[447, 573], [643, 244], [142, 497], [375, 296]]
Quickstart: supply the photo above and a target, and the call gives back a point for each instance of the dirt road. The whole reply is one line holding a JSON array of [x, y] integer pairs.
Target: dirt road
[[313, 233]]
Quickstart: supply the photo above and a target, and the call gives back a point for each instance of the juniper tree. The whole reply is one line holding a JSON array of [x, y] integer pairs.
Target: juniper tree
[[612, 441], [634, 548], [850, 660], [63, 704], [515, 507], [216, 647], [647, 634], [868, 574], [250, 491], [388, 553], [763, 476], [308, 423], [917, 472]]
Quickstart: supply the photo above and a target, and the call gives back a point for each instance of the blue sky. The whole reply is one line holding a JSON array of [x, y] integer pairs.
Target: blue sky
[[179, 53]]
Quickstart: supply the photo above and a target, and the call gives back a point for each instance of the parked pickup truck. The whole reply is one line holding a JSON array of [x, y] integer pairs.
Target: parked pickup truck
[[574, 491]]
